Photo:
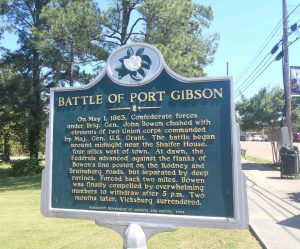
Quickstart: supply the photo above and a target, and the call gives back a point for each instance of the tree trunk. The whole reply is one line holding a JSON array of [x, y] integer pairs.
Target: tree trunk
[[36, 111], [6, 146], [125, 20], [36, 108], [72, 63]]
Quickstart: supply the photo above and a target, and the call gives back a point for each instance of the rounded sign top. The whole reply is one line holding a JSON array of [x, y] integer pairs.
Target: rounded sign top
[[134, 64]]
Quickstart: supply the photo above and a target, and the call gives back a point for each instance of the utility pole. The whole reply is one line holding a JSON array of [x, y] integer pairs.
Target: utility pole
[[286, 71], [227, 68]]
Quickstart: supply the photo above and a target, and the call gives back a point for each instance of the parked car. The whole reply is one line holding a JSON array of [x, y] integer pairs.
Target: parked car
[[296, 137], [257, 138], [244, 137]]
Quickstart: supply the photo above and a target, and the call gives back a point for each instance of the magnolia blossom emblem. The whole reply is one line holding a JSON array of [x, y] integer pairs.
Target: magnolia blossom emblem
[[134, 64]]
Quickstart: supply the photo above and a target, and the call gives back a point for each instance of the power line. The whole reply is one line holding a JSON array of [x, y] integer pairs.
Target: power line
[[291, 43], [293, 10], [254, 78], [267, 41], [264, 45], [278, 57], [255, 74], [258, 67]]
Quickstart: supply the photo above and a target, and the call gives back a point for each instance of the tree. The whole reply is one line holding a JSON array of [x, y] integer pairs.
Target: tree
[[24, 17], [13, 114], [296, 113], [176, 27], [72, 40], [262, 111], [118, 18], [55, 38]]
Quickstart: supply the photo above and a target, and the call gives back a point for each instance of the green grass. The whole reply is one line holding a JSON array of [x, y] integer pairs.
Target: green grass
[[262, 161], [22, 226]]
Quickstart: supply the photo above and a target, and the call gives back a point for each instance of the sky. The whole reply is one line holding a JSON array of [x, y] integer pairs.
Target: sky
[[244, 27]]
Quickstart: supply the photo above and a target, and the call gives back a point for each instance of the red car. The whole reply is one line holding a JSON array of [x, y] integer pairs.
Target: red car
[[296, 137]]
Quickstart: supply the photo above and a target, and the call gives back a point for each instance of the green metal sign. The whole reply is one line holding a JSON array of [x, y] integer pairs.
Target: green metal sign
[[142, 143]]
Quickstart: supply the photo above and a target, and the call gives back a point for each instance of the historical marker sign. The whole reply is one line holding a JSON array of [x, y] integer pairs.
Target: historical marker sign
[[142, 144]]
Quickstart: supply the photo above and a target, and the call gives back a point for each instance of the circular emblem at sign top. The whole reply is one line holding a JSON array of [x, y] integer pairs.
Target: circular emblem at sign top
[[134, 64]]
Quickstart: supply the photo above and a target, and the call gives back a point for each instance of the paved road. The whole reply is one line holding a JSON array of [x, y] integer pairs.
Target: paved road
[[260, 149]]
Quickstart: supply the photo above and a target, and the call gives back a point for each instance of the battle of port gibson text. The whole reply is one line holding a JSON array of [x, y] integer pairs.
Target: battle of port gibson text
[[157, 96]]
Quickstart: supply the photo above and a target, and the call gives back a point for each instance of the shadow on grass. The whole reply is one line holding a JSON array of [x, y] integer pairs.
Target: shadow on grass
[[10, 183], [274, 178], [261, 167]]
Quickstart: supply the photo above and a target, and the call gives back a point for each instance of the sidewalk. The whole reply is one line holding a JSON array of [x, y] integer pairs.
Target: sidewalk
[[274, 207]]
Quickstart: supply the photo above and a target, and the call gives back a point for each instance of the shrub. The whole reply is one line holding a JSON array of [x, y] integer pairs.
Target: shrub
[[25, 167]]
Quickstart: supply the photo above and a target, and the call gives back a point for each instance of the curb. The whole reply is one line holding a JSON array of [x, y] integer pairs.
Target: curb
[[258, 238]]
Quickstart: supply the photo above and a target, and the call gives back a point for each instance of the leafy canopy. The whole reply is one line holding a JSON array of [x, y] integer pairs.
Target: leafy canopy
[[71, 41], [58, 39], [176, 27], [262, 111]]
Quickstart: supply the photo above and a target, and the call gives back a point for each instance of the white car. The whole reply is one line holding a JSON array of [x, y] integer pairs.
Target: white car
[[257, 138]]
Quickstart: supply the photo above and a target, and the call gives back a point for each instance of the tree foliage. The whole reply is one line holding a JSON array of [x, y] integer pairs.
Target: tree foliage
[[119, 28], [13, 112], [176, 27], [296, 113], [262, 111], [22, 17], [53, 37], [72, 40], [59, 39]]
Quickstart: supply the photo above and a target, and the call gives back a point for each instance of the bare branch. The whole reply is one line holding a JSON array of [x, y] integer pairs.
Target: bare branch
[[110, 42], [29, 8], [113, 37], [112, 29], [133, 26], [46, 75]]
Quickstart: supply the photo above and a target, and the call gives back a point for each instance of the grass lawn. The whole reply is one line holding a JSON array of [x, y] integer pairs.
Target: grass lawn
[[261, 161], [22, 226]]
